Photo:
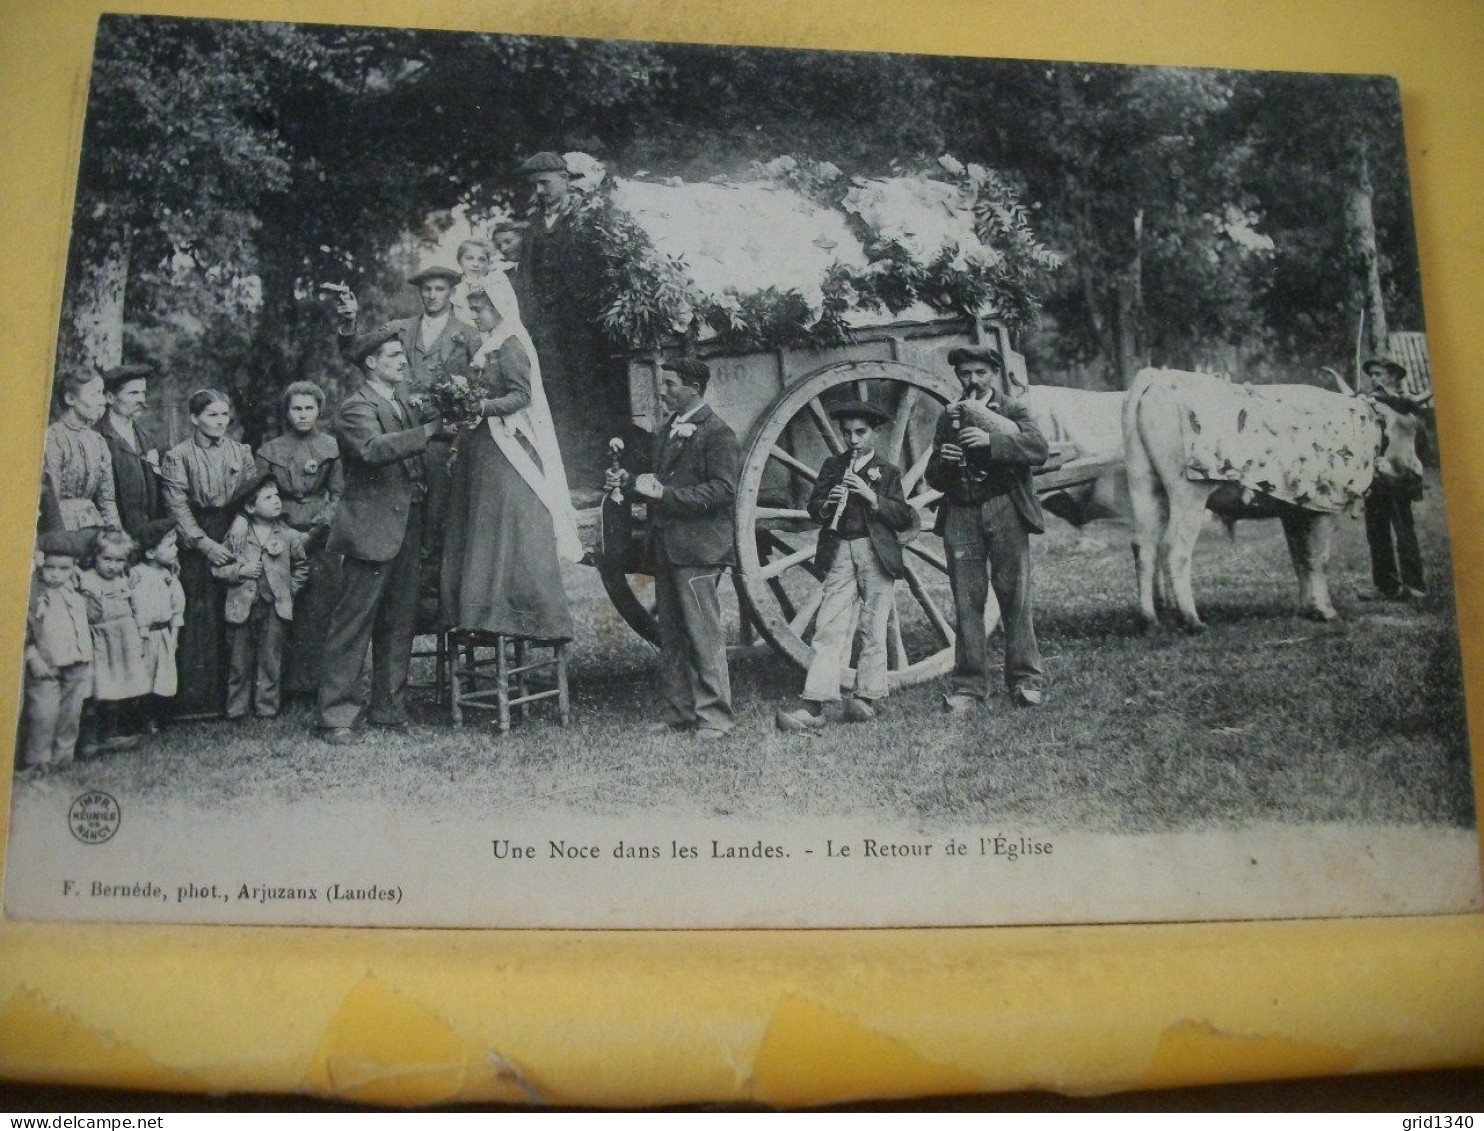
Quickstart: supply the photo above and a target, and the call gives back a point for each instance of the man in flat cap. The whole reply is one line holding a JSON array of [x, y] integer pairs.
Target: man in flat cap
[[134, 448], [436, 343], [378, 527], [691, 494], [1396, 556], [983, 451], [550, 280]]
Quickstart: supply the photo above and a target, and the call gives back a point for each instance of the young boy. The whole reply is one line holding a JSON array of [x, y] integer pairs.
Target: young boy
[[269, 565], [858, 499], [59, 657]]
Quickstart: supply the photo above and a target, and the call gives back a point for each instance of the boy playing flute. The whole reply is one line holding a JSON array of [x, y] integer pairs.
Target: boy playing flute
[[858, 499]]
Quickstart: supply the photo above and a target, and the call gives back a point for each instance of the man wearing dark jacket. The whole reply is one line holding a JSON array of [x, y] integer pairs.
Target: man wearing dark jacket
[[133, 448], [436, 344], [859, 502], [378, 527], [691, 494], [983, 451]]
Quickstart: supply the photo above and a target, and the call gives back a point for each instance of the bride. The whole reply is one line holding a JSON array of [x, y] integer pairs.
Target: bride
[[510, 517]]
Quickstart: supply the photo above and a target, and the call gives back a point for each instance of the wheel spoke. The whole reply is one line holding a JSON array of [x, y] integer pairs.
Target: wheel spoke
[[797, 464], [786, 563], [924, 500], [862, 391], [898, 646], [933, 558], [780, 594], [781, 512], [900, 424], [917, 470], [799, 622], [776, 541], [826, 427], [929, 606]]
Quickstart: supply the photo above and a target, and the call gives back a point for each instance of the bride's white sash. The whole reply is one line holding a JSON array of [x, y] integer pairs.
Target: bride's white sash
[[549, 480]]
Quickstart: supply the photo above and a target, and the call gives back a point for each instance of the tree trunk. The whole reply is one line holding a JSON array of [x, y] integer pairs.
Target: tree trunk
[[92, 336], [1129, 328], [1362, 224]]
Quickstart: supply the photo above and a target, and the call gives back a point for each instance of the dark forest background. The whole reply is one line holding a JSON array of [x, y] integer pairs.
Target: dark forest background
[[1241, 220]]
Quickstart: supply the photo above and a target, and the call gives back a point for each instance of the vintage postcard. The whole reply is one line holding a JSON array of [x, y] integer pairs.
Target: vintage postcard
[[502, 481]]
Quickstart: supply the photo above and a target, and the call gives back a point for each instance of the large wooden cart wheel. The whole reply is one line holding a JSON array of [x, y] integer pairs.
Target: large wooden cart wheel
[[625, 580], [776, 538]]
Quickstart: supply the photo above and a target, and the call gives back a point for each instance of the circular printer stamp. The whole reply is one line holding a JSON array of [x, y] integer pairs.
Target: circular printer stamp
[[94, 817]]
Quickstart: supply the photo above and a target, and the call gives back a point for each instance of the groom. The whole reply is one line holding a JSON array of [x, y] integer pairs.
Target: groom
[[691, 495]]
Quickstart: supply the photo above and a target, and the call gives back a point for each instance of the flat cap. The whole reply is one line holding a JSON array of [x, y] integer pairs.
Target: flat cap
[[447, 274], [150, 534], [372, 340], [123, 374], [544, 162], [987, 354], [66, 543], [248, 490], [689, 368], [860, 410]]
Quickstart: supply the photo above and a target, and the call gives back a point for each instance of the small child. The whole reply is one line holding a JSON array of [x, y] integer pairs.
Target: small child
[[269, 566], [159, 609], [59, 657], [119, 674], [858, 499]]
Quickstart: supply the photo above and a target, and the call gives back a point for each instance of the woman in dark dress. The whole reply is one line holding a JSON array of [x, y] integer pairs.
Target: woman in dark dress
[[306, 464], [199, 476], [510, 520], [76, 466]]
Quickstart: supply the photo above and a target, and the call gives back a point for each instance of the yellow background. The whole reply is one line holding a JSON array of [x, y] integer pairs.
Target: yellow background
[[808, 1017]]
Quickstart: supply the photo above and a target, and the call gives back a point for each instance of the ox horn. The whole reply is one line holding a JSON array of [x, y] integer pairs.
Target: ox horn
[[1340, 381]]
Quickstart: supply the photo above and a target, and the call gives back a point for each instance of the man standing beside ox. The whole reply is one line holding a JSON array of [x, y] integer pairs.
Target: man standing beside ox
[[983, 451], [378, 528], [691, 494]]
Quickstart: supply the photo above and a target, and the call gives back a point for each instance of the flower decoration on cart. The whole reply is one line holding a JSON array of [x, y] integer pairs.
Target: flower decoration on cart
[[800, 253]]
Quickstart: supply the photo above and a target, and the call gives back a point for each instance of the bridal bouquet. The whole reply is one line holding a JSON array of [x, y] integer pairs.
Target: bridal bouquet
[[456, 399]]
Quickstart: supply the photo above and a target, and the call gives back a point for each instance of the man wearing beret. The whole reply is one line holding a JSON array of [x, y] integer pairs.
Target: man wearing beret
[[378, 528], [134, 448], [550, 279], [691, 494], [983, 451], [1396, 557]]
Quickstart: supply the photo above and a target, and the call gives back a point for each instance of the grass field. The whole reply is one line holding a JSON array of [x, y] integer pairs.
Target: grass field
[[1264, 717]]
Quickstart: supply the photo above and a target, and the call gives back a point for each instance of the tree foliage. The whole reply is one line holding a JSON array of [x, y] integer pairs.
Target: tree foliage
[[229, 167]]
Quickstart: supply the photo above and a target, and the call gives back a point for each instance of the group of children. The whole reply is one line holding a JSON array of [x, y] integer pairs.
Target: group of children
[[105, 616]]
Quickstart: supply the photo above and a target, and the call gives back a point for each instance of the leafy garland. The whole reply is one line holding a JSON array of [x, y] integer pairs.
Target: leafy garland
[[646, 299]]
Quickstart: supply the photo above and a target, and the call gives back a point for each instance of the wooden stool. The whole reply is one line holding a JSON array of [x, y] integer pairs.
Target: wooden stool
[[513, 668], [440, 655]]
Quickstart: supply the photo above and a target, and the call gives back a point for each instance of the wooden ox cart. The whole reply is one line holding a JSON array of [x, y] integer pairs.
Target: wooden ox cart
[[727, 244], [777, 402]]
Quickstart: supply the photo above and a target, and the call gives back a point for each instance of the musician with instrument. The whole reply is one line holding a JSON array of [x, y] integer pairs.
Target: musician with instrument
[[985, 448], [858, 500]]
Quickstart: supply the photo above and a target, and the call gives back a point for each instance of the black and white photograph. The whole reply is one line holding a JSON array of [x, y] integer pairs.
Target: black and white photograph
[[508, 481]]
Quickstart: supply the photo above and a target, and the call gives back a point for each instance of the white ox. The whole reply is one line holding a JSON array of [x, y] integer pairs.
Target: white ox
[[1294, 452]]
